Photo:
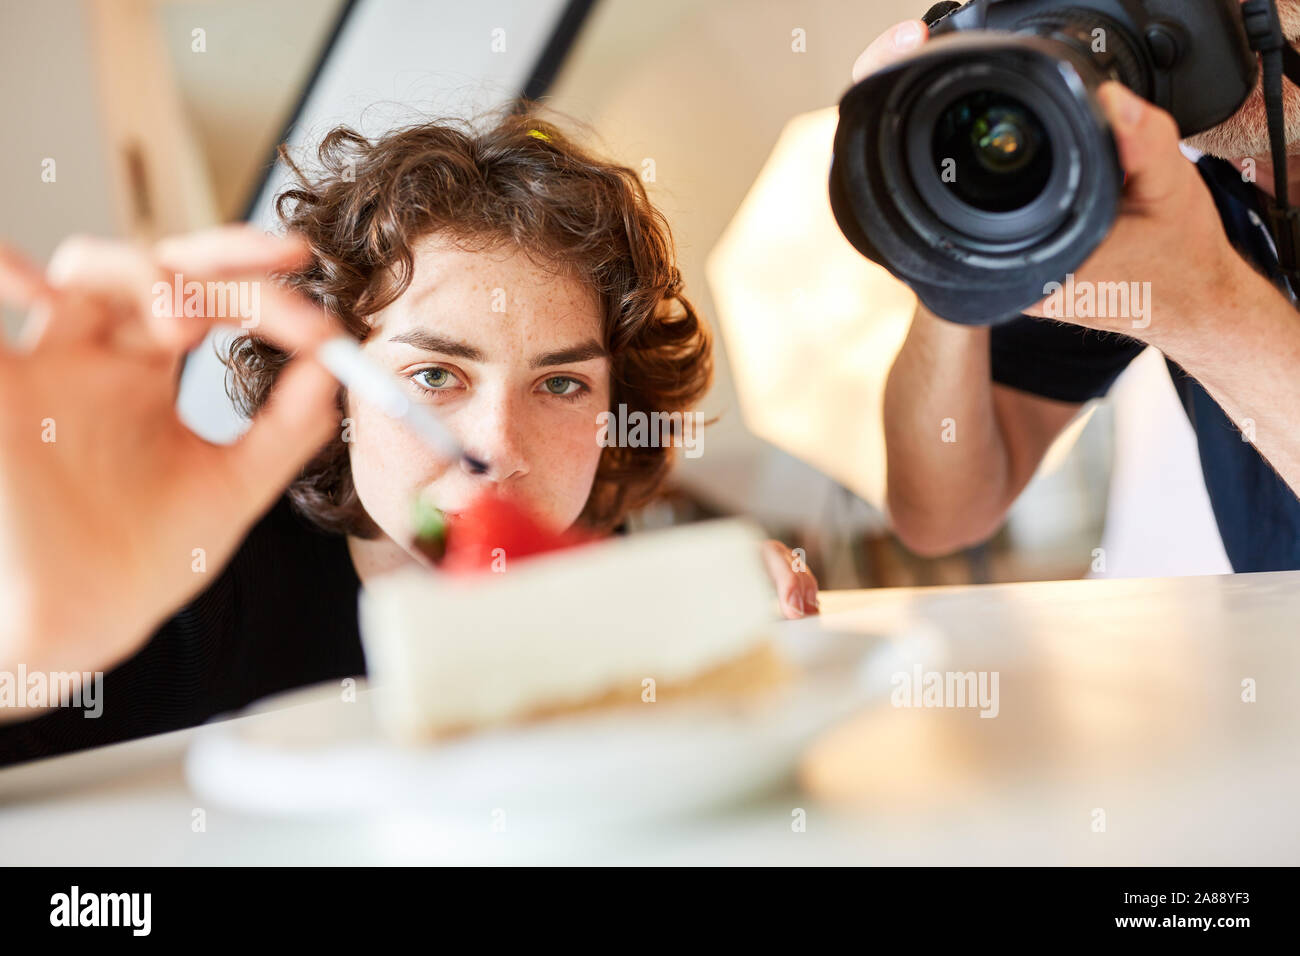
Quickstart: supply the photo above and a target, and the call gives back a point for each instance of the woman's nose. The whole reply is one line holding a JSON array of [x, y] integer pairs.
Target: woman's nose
[[494, 439]]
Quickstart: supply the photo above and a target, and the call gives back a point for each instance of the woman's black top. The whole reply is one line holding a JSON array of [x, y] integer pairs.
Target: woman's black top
[[282, 614]]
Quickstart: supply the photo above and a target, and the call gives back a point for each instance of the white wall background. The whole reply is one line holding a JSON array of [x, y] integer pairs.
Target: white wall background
[[49, 111], [396, 62]]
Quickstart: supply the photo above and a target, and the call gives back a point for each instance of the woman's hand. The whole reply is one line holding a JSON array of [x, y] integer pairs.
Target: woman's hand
[[112, 513], [795, 585]]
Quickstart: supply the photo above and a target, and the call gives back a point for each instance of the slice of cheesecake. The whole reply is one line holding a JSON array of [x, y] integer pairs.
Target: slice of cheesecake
[[641, 621]]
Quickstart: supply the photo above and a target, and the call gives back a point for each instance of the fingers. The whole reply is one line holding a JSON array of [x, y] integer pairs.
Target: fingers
[[1147, 138], [116, 291], [104, 285], [240, 257], [22, 285], [811, 601], [289, 320], [894, 44], [801, 598], [187, 308], [796, 587], [231, 250], [300, 416], [65, 316], [21, 281], [121, 291]]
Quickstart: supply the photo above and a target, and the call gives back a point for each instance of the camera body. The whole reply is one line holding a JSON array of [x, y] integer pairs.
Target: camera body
[[1192, 59], [981, 169]]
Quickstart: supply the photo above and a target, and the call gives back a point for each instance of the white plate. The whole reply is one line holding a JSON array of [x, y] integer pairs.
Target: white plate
[[311, 753]]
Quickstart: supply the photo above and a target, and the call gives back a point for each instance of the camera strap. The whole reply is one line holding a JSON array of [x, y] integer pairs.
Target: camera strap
[[1278, 58]]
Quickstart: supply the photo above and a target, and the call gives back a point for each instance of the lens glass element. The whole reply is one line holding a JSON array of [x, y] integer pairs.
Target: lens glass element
[[992, 152]]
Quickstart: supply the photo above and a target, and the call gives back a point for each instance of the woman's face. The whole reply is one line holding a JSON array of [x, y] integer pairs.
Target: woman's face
[[510, 357]]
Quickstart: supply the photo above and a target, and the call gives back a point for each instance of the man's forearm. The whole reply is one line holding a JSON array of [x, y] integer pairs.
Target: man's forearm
[[1244, 348], [945, 458]]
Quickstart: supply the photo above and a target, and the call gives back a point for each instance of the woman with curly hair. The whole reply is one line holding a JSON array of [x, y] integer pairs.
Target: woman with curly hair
[[519, 287]]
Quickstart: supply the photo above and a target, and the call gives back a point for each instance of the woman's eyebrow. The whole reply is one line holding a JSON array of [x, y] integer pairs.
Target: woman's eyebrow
[[574, 353], [433, 342]]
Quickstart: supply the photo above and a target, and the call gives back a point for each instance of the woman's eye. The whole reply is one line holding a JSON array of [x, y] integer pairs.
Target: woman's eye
[[434, 379], [562, 385]]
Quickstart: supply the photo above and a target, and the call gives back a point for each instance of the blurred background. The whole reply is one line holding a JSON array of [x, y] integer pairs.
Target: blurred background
[[148, 117]]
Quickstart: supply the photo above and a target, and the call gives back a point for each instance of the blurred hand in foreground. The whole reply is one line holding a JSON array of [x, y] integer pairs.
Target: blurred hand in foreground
[[113, 513]]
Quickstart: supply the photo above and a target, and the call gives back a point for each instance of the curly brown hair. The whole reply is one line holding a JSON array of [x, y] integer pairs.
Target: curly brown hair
[[517, 180]]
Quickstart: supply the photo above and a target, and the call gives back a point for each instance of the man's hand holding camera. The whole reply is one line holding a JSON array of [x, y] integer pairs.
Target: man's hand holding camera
[[1168, 232], [1205, 306], [1168, 238]]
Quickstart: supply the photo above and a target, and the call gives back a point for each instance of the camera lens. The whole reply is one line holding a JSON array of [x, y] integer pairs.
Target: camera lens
[[992, 152], [979, 170]]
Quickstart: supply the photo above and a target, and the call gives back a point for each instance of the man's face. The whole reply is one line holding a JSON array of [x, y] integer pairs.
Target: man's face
[[510, 357], [1245, 133]]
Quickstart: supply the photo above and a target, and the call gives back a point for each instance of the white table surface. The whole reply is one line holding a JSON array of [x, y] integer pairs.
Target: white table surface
[[1118, 696]]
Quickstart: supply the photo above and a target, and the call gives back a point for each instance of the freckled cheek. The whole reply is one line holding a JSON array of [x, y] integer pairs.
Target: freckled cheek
[[389, 467], [568, 457]]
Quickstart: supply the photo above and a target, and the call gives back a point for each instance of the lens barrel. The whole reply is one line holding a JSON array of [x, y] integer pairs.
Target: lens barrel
[[978, 171]]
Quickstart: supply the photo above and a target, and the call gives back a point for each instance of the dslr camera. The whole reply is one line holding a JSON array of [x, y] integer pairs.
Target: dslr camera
[[982, 168]]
